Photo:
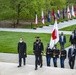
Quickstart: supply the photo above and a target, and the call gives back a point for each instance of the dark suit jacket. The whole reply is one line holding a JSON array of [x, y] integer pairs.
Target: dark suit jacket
[[75, 32], [60, 39], [22, 49], [69, 54], [72, 39]]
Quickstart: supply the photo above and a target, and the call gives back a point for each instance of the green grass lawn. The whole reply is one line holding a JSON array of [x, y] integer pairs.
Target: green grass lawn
[[9, 41], [70, 28], [36, 26]]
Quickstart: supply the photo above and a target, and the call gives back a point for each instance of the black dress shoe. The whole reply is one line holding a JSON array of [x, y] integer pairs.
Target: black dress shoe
[[35, 68], [18, 66], [40, 66]]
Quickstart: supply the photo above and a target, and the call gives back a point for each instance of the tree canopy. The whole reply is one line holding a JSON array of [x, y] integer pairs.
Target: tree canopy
[[26, 9]]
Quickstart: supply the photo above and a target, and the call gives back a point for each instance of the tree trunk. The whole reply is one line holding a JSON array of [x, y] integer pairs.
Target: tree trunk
[[18, 15]]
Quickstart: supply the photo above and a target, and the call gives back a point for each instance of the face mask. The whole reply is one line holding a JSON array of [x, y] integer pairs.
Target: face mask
[[36, 40], [54, 48], [20, 41]]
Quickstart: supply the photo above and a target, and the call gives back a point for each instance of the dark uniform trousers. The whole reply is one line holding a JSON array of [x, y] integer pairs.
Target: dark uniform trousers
[[62, 62], [62, 57], [38, 60], [55, 61], [55, 56], [48, 60], [49, 54]]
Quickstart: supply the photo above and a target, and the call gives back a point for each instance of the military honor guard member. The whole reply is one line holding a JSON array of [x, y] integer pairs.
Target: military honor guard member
[[37, 50], [55, 55], [22, 52], [49, 55], [63, 54], [71, 56]]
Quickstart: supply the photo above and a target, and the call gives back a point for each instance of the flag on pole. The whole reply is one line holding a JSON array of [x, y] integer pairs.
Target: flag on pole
[[58, 14], [68, 13], [73, 13], [63, 12], [42, 18], [36, 20], [54, 36], [49, 16], [53, 14]]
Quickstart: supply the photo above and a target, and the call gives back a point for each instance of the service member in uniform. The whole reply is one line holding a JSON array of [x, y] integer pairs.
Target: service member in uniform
[[38, 49], [49, 55], [22, 51], [71, 56], [63, 55], [55, 55]]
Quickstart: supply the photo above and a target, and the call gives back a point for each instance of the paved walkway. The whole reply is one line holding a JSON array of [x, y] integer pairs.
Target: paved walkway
[[45, 29], [11, 69]]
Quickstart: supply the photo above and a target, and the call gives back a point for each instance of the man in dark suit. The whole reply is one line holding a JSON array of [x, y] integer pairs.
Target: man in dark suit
[[71, 56], [38, 49], [75, 32], [72, 39], [75, 37], [62, 40], [63, 55], [21, 51]]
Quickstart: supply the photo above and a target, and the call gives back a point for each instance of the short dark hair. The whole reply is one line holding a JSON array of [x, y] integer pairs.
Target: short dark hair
[[37, 37]]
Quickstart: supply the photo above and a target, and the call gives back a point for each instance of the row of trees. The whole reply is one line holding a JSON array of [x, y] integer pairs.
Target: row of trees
[[26, 9]]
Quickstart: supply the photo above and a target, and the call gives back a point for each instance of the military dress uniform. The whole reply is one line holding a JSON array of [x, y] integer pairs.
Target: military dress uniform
[[55, 56], [49, 55], [63, 55], [37, 49]]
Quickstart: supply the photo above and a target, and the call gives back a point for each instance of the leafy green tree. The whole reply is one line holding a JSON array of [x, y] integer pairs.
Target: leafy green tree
[[25, 9]]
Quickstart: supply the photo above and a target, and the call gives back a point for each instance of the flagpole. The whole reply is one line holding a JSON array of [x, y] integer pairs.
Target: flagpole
[[55, 35]]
